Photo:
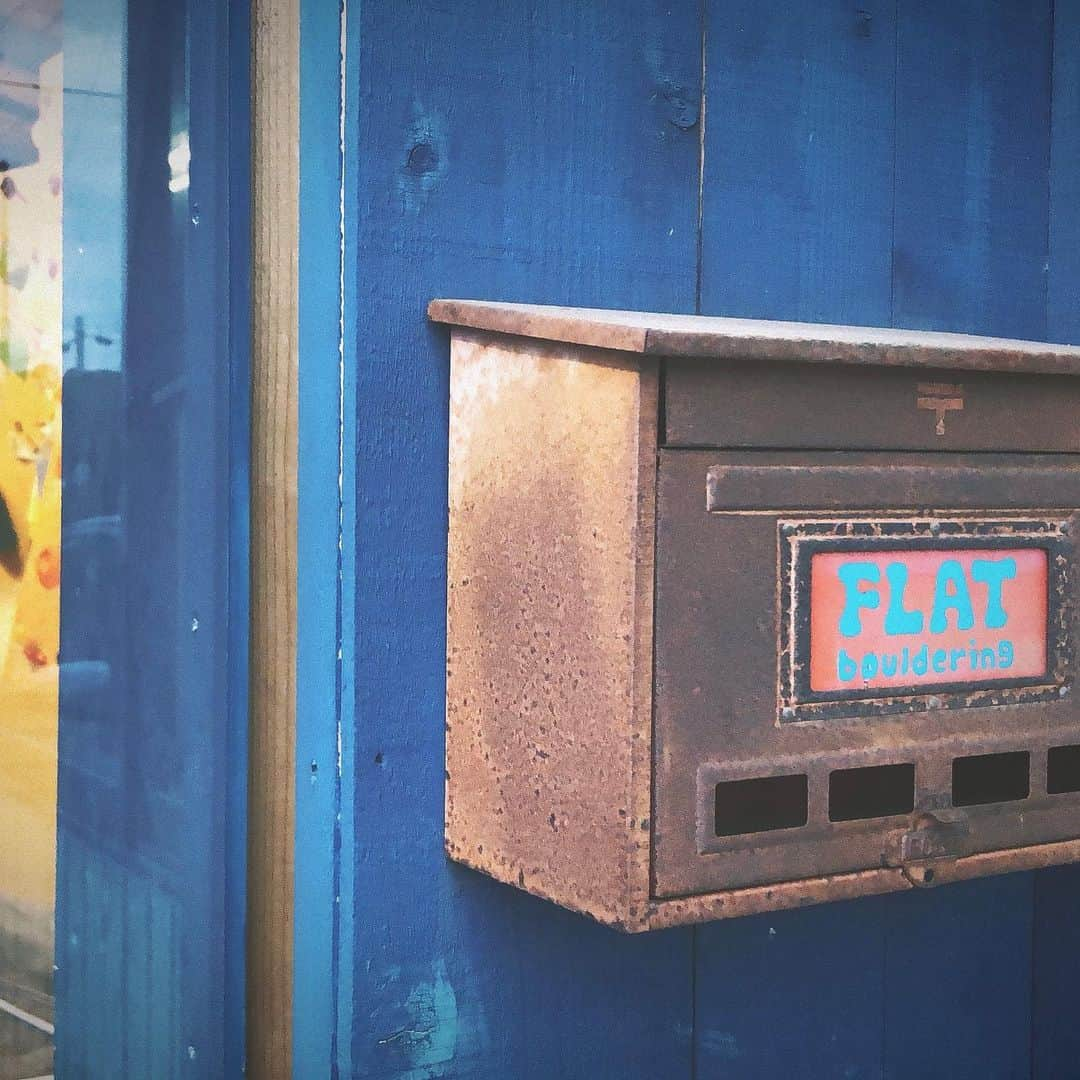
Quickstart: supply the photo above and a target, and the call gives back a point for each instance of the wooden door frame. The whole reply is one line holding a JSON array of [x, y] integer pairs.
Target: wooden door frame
[[274, 387], [303, 378]]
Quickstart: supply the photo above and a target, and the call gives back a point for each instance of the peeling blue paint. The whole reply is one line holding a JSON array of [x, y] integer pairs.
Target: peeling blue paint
[[424, 1044], [720, 1045]]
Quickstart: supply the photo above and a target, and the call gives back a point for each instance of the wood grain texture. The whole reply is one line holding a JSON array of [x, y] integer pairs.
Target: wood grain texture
[[972, 152], [546, 153], [1055, 1035], [540, 152], [957, 999], [969, 254], [777, 994], [797, 185], [275, 181], [797, 224], [937, 219]]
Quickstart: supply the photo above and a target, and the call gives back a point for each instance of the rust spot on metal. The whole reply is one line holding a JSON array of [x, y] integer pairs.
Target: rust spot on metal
[[940, 399], [549, 597]]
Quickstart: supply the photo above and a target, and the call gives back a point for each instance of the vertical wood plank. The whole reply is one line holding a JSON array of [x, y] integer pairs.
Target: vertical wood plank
[[275, 164], [958, 981], [972, 151], [970, 243], [793, 994], [521, 152], [798, 160], [1063, 277], [448, 205], [971, 220], [797, 224], [322, 654], [1055, 1035]]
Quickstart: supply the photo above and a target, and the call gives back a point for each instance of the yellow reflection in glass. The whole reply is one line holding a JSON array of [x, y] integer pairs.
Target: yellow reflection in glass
[[30, 380]]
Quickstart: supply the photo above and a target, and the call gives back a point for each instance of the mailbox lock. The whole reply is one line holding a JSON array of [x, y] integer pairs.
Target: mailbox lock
[[928, 843], [922, 877]]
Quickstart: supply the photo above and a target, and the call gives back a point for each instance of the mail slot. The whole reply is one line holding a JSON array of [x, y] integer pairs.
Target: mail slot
[[747, 615]]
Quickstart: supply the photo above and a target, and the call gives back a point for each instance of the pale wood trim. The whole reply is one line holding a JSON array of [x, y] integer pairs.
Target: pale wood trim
[[271, 803]]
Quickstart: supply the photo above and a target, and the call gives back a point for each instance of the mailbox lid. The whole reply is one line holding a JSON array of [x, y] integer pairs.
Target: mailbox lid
[[764, 341], [722, 596], [758, 383]]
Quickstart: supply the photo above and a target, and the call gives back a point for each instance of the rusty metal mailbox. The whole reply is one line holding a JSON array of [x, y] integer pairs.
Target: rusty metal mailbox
[[748, 615]]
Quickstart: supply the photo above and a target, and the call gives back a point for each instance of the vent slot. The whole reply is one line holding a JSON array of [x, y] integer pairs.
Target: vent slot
[[991, 778], [760, 805], [871, 792], [1062, 769]]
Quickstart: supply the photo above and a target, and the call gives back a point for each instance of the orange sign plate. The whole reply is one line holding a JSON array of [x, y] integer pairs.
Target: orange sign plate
[[924, 618]]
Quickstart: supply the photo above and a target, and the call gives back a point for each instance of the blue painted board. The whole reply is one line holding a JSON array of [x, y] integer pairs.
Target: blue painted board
[[322, 775], [795, 994], [873, 165], [972, 153], [526, 152], [957, 978], [797, 208], [1055, 1034], [942, 75], [1063, 273], [797, 224]]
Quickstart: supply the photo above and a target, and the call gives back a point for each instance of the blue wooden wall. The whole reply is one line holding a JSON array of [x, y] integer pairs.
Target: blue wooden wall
[[904, 162]]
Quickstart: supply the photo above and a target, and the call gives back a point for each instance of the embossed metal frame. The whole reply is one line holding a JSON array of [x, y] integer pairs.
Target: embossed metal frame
[[800, 539]]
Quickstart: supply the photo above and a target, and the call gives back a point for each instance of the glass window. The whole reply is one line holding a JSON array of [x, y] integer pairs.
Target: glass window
[[117, 792]]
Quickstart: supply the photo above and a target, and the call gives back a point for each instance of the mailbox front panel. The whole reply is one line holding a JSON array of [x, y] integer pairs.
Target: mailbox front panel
[[862, 660]]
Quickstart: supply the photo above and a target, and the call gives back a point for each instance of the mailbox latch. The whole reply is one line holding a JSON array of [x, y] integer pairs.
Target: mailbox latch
[[929, 845]]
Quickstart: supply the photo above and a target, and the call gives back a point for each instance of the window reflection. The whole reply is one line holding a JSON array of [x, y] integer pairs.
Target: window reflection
[[31, 198], [138, 872], [111, 817]]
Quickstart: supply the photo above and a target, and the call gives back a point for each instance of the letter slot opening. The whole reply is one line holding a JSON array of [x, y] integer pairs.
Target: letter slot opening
[[1062, 770], [991, 778], [761, 805], [871, 792]]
